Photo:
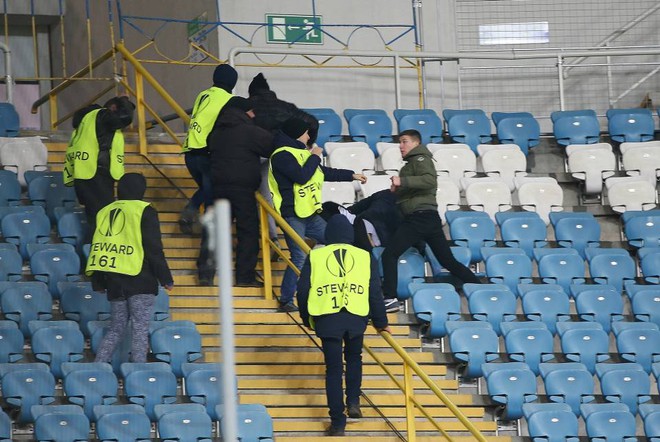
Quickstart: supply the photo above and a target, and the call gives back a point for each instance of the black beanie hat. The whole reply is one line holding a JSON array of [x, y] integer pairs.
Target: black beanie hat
[[258, 83], [225, 77], [131, 186], [339, 230], [239, 103], [295, 127]]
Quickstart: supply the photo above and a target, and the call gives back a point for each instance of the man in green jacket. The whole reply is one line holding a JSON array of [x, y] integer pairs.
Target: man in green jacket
[[415, 190]]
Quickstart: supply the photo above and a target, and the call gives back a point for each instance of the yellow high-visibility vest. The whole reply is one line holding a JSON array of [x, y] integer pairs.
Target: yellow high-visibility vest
[[82, 153], [306, 197], [339, 279], [117, 242], [205, 111]]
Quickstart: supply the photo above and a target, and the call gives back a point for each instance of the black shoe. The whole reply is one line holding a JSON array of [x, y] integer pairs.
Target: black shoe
[[335, 431], [255, 283], [205, 280], [288, 307], [392, 305], [354, 411], [187, 220]]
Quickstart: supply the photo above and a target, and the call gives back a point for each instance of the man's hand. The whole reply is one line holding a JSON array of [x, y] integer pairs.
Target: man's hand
[[316, 151], [396, 181], [361, 178], [384, 329], [168, 287]]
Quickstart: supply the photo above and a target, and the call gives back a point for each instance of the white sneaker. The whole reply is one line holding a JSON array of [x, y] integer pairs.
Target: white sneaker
[[392, 305]]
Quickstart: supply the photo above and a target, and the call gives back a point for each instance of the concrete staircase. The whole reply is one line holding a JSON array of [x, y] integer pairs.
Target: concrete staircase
[[278, 363]]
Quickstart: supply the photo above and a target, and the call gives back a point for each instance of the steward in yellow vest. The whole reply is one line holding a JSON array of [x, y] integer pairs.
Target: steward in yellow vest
[[338, 292], [94, 159]]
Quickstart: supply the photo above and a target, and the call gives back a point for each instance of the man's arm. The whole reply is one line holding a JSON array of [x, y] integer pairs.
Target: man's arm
[[285, 163], [153, 247], [424, 175], [376, 303], [304, 284]]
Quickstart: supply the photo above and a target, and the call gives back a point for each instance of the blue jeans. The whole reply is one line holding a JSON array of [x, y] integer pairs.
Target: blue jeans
[[312, 227]]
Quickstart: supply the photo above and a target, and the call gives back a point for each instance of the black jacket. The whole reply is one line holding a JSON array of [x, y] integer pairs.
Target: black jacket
[[287, 171], [334, 325], [236, 145], [154, 267]]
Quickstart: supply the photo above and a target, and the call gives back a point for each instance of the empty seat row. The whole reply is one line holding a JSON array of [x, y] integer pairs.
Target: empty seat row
[[23, 154]]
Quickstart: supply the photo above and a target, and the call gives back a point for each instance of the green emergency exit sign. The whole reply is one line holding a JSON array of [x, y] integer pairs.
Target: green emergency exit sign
[[298, 29]]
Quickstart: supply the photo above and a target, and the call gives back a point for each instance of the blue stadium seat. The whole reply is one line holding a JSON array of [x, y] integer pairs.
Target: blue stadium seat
[[411, 264], [511, 384], [23, 228], [643, 230], [520, 128], [7, 210], [162, 305], [12, 341], [149, 384], [473, 230], [651, 416], [547, 303], [329, 125], [60, 423], [522, 229], [11, 263], [609, 422], [56, 342], [630, 125], [577, 230], [493, 303], [561, 266], [625, 383], [5, 427], [472, 343], [638, 342], [462, 255], [611, 266], [49, 191], [369, 125], [80, 303], [645, 302], [649, 263], [54, 263], [508, 266], [175, 342], [183, 423], [72, 227], [599, 303], [23, 302], [468, 126], [575, 127], [550, 422], [203, 383], [584, 342], [10, 188], [254, 423], [25, 385], [9, 120], [88, 384], [425, 121], [569, 383], [529, 342], [434, 304], [122, 423]]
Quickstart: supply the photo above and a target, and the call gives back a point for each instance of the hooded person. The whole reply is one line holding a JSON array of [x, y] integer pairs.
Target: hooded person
[[338, 292], [237, 146], [270, 112], [208, 105], [126, 261], [94, 158], [295, 179]]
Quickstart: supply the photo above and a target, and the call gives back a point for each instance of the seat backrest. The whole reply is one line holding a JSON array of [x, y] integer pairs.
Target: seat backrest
[[10, 188], [551, 422], [436, 305], [643, 160], [455, 162], [60, 423], [568, 382], [53, 265], [72, 228], [184, 422], [505, 162], [473, 343], [80, 303], [56, 342], [524, 131], [369, 125], [627, 383], [122, 423], [23, 302], [25, 385], [511, 384], [548, 303], [505, 266], [576, 230], [9, 120], [354, 157], [204, 385], [499, 116], [329, 125], [471, 229], [447, 196], [375, 183], [12, 340], [424, 121], [584, 342], [470, 128], [631, 193], [575, 127], [645, 305], [529, 342], [254, 422], [490, 195], [609, 422], [89, 384], [639, 346], [342, 193], [11, 264], [612, 268], [23, 154], [630, 125], [525, 230], [176, 342], [493, 303], [390, 158], [148, 384], [541, 195], [561, 266], [22, 228], [5, 427], [599, 303], [591, 166], [643, 231]]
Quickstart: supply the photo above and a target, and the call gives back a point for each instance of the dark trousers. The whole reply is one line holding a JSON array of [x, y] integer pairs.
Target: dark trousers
[[94, 194], [199, 167], [424, 225], [334, 370]]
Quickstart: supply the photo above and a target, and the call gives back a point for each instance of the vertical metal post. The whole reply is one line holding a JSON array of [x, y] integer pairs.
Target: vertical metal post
[[9, 81], [397, 81], [218, 27], [610, 85], [223, 256], [460, 87], [142, 122], [52, 104], [560, 72]]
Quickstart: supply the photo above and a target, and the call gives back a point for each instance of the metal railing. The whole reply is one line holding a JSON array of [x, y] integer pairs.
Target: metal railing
[[410, 367]]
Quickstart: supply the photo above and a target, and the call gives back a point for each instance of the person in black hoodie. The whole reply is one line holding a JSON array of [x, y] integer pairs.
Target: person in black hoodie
[[237, 146], [114, 263], [339, 315]]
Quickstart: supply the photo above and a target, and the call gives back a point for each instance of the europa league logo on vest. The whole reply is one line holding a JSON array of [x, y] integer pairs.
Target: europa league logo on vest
[[113, 224], [339, 263]]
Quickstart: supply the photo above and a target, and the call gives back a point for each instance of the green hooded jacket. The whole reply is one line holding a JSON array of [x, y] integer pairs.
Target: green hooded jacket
[[419, 182]]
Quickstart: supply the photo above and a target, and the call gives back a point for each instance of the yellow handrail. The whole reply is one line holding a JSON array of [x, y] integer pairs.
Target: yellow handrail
[[410, 366]]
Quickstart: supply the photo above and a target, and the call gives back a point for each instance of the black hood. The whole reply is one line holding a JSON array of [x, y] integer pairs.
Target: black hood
[[131, 187], [232, 117], [339, 230]]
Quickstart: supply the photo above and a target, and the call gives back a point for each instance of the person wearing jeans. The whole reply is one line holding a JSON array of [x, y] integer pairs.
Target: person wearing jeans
[[295, 178]]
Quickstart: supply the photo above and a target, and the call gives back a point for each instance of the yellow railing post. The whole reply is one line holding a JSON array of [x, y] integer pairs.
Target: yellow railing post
[[410, 406], [265, 253], [142, 122], [52, 105]]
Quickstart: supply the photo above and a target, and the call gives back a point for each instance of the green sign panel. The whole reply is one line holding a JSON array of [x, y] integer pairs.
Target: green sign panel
[[298, 29]]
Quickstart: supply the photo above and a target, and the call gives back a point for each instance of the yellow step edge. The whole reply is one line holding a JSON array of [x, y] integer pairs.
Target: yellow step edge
[[317, 400], [319, 384], [318, 368], [292, 357], [378, 425], [321, 412]]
